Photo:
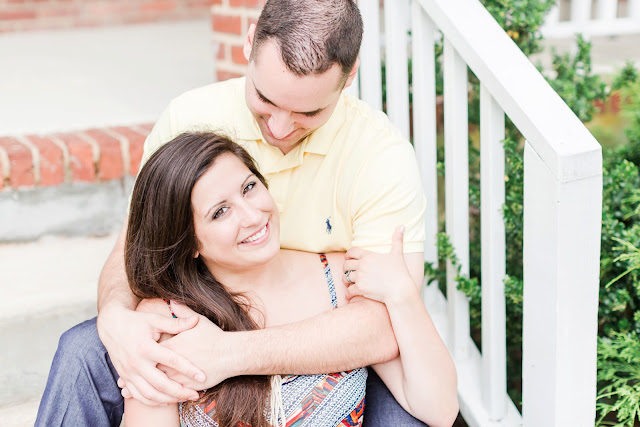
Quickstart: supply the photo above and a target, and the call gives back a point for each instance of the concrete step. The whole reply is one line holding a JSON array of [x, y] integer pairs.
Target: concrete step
[[47, 287], [19, 415]]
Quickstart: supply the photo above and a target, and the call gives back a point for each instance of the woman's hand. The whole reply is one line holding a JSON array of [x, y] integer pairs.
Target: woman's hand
[[380, 277], [135, 352]]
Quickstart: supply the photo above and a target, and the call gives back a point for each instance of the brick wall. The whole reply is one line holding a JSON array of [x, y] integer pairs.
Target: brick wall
[[230, 20], [93, 155], [24, 15]]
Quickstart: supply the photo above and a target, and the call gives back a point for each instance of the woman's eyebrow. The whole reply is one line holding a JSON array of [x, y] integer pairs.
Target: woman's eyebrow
[[206, 215]]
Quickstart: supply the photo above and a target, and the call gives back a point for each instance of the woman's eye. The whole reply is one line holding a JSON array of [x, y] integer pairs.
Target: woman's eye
[[220, 212], [248, 188]]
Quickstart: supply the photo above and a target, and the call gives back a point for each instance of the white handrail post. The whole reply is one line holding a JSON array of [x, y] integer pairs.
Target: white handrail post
[[561, 270], [456, 151], [494, 351], [424, 120], [396, 26], [370, 63]]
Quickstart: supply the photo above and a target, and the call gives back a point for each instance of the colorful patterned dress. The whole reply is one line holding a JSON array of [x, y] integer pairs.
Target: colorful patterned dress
[[325, 400]]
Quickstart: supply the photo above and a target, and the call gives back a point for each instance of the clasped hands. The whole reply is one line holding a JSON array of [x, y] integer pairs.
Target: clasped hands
[[157, 356]]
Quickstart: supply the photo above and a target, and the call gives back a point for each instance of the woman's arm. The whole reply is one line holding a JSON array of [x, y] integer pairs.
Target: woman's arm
[[423, 378], [137, 413]]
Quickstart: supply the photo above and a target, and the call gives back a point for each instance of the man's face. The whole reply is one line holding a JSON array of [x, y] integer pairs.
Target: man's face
[[286, 107]]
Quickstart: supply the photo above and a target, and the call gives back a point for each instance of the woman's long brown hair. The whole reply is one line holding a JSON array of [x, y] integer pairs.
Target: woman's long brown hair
[[159, 258]]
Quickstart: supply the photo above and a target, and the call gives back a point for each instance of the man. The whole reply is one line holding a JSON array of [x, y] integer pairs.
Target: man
[[341, 176]]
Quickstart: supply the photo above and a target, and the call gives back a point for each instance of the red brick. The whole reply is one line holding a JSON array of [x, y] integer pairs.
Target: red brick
[[158, 6], [246, 3], [58, 11], [22, 14], [237, 55], [203, 3], [227, 24], [20, 161], [51, 161], [225, 75], [80, 157], [110, 162], [136, 146], [108, 9]]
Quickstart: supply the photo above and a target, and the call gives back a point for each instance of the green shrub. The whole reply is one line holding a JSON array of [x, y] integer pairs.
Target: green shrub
[[619, 380]]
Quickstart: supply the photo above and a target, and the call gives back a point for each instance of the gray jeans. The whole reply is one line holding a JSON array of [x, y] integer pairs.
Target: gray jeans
[[82, 388]]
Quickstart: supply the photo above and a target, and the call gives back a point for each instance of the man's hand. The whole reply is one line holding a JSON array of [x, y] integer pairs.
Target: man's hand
[[205, 346], [131, 339]]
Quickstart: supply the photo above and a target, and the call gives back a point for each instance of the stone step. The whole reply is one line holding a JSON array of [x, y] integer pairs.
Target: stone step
[[47, 287]]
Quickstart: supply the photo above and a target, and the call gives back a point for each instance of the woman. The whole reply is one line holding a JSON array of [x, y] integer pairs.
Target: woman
[[204, 231]]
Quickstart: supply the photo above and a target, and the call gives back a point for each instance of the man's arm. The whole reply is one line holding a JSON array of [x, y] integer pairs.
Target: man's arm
[[358, 334], [348, 337], [131, 337]]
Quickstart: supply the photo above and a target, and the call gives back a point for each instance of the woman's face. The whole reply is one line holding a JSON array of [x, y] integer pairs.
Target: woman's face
[[236, 220]]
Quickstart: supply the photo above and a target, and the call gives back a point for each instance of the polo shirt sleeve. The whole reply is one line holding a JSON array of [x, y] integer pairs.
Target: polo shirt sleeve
[[387, 193], [160, 134]]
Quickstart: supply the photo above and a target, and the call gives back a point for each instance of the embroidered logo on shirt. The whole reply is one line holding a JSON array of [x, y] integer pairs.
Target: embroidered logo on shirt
[[329, 225]]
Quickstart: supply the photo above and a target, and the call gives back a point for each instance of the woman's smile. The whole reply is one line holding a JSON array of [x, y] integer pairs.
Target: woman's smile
[[258, 237]]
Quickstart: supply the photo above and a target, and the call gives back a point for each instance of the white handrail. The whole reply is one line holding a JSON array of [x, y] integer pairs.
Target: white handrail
[[557, 135]]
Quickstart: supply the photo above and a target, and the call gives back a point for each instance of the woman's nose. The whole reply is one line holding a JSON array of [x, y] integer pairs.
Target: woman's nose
[[251, 215]]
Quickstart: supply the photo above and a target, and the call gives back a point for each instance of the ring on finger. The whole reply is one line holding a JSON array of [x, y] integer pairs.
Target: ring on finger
[[346, 276]]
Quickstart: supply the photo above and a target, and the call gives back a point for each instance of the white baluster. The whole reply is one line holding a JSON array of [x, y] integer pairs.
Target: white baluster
[[606, 10], [456, 149], [396, 23], [424, 119], [580, 15], [370, 72], [634, 9], [492, 190]]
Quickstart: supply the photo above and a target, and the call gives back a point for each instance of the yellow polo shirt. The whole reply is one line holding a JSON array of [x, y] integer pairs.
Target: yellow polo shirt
[[349, 183]]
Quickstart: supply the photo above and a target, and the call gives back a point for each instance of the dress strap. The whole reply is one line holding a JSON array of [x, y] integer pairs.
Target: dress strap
[[329, 277]]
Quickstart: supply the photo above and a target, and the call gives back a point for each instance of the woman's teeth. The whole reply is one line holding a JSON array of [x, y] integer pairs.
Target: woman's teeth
[[256, 236]]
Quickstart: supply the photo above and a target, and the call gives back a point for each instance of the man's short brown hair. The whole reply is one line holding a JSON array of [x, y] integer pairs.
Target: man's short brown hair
[[311, 35]]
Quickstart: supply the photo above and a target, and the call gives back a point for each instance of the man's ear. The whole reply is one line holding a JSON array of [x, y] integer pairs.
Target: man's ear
[[248, 42], [352, 74]]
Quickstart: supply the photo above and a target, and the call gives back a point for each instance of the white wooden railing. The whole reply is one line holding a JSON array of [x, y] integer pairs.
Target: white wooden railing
[[602, 18], [562, 206]]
